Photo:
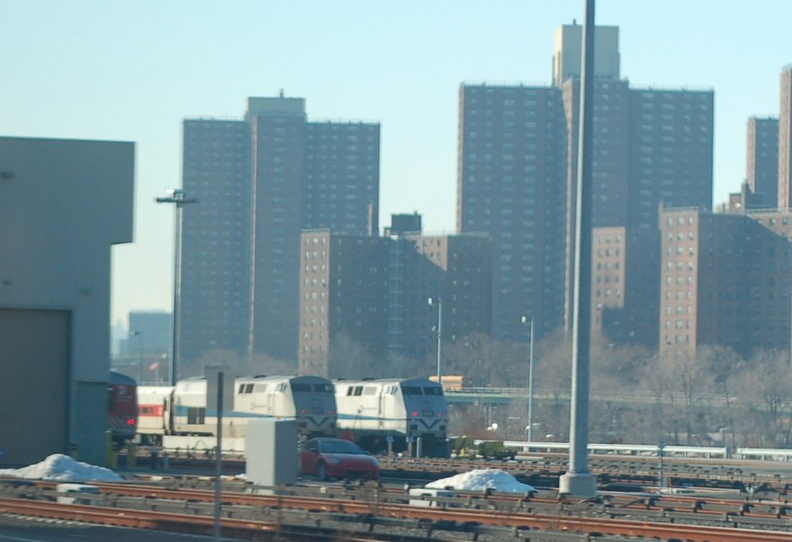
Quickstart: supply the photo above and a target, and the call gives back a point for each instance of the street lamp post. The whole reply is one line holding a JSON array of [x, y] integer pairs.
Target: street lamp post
[[178, 197], [439, 302], [530, 321]]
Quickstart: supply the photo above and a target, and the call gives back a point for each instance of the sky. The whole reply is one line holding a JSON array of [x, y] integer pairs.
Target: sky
[[133, 71]]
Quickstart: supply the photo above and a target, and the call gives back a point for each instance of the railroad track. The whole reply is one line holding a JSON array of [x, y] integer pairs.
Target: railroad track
[[197, 524], [543, 470], [666, 518]]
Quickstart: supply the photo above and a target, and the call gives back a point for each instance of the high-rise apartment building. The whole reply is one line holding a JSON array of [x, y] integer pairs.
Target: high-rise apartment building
[[364, 300], [511, 186], [214, 279], [517, 175], [650, 146], [343, 302], [609, 246], [762, 161], [725, 281], [259, 182], [671, 154], [611, 159]]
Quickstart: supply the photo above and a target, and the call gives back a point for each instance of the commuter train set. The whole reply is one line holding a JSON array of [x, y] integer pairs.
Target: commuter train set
[[380, 415]]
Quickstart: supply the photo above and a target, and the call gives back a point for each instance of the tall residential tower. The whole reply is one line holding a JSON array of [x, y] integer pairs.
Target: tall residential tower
[[517, 172], [259, 182], [511, 185], [762, 160]]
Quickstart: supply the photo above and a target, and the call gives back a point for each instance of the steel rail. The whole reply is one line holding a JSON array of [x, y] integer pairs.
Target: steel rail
[[501, 503], [646, 528], [194, 524]]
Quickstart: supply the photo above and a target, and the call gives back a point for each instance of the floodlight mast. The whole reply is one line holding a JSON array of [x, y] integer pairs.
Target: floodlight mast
[[578, 480], [179, 198]]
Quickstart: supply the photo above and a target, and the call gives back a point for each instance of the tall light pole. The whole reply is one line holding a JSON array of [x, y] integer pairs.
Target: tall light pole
[[530, 321], [178, 197], [578, 480], [432, 301]]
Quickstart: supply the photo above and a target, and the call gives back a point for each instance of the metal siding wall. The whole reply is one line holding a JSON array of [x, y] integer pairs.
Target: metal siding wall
[[34, 388]]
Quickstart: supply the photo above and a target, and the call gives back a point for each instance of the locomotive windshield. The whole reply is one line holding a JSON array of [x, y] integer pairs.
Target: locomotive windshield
[[324, 388], [418, 390], [302, 387]]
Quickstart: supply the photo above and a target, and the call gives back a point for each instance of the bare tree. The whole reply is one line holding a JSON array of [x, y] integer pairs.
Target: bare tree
[[350, 359], [767, 392]]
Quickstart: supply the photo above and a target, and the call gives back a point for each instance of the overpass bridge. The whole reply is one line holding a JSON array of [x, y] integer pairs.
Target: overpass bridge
[[490, 396]]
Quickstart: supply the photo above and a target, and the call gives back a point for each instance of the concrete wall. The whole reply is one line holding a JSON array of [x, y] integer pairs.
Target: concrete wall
[[63, 203]]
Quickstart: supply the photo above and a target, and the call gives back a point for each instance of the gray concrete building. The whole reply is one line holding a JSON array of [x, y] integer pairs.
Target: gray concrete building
[[63, 205]]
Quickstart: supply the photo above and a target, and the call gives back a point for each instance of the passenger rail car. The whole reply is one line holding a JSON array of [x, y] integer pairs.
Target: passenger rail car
[[376, 413], [154, 411], [183, 409], [122, 408]]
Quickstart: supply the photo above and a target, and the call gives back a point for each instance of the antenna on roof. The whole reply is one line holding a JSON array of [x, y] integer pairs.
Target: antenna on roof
[[281, 93]]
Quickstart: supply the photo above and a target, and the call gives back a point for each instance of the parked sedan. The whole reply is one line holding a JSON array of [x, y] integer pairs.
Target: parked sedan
[[328, 458]]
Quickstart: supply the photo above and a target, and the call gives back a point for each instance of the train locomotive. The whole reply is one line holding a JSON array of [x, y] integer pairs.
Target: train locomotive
[[395, 415], [122, 407], [183, 409]]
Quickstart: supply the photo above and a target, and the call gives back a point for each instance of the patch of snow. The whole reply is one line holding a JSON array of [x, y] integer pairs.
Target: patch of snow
[[481, 479], [63, 468]]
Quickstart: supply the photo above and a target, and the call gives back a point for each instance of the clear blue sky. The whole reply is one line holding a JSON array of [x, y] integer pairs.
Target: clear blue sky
[[132, 71]]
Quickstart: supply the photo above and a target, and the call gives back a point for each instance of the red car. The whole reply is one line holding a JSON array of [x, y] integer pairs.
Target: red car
[[328, 458]]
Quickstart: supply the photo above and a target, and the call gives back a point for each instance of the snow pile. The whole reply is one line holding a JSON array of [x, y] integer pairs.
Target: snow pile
[[481, 479], [64, 469]]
